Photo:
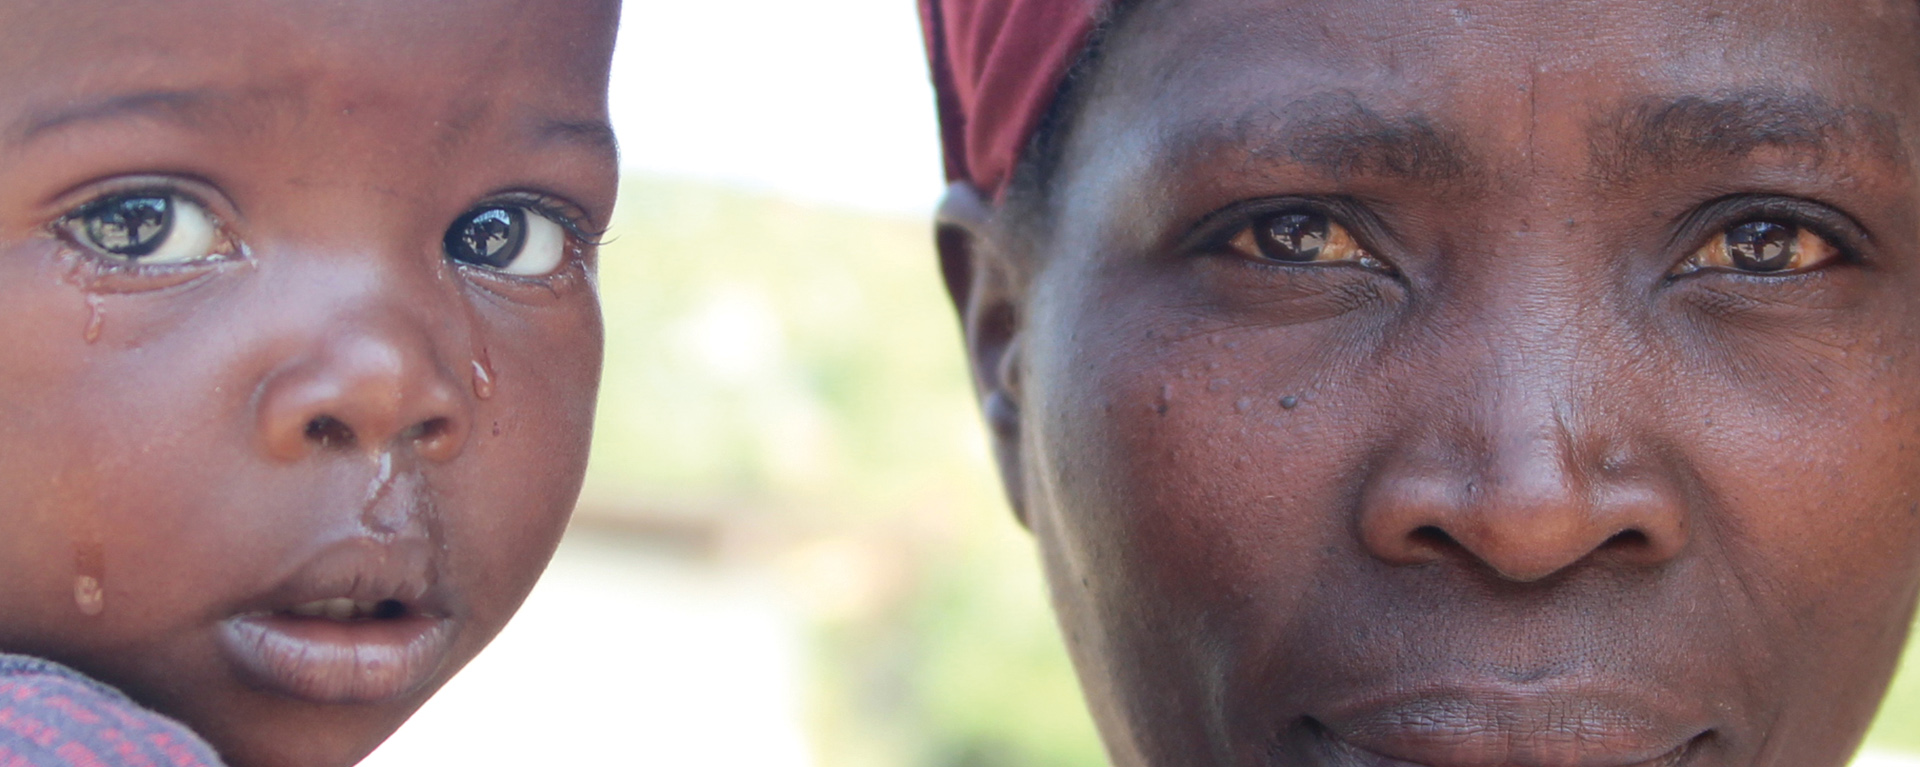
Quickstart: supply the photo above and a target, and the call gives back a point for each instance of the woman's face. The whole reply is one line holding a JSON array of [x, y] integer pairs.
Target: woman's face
[[1474, 383]]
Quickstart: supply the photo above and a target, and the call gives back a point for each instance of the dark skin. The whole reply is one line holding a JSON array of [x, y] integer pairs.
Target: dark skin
[[305, 345], [1470, 384]]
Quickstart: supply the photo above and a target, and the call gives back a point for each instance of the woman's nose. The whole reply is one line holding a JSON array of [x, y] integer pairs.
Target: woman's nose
[[1525, 496], [370, 383]]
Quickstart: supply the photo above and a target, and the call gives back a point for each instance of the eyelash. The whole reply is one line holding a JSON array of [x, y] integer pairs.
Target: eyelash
[[569, 216], [1212, 233], [1710, 220]]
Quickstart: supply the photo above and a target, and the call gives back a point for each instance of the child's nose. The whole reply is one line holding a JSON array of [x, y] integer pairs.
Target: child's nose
[[373, 385]]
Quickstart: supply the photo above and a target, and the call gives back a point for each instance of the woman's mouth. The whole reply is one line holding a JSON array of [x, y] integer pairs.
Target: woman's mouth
[[1502, 731], [362, 623]]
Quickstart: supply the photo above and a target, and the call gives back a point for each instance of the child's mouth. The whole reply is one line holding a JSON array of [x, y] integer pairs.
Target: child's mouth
[[362, 623], [344, 609]]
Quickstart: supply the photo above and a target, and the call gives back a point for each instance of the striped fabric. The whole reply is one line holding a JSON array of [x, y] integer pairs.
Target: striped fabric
[[53, 716]]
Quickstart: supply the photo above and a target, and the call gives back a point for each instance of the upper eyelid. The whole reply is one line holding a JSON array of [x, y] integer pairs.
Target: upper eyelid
[[1216, 229], [72, 202], [1712, 219], [569, 215], [78, 199]]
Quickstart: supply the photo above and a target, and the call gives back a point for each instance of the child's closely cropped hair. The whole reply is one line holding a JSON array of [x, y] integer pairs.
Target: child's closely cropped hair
[[302, 352]]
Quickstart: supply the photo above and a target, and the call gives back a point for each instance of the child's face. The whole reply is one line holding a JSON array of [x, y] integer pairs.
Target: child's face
[[1463, 384], [301, 352]]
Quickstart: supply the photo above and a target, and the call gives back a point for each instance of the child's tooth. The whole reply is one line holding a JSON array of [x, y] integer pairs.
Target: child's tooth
[[340, 608], [312, 609], [364, 609]]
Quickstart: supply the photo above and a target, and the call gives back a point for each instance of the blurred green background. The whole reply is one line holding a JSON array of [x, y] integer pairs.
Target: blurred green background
[[784, 385]]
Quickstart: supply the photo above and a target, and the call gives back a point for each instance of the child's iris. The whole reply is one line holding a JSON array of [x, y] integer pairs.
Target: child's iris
[[506, 238], [491, 237], [129, 226]]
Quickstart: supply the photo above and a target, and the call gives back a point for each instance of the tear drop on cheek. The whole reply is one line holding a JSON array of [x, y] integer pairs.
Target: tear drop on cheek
[[482, 378], [96, 320], [90, 569], [89, 596]]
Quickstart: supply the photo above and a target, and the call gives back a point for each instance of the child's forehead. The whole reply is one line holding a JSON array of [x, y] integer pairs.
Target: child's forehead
[[299, 50]]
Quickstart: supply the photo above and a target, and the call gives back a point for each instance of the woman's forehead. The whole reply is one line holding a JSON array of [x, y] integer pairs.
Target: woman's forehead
[[1512, 70], [1470, 94]]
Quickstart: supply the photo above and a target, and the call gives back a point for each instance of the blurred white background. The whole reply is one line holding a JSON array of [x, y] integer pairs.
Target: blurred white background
[[825, 101]]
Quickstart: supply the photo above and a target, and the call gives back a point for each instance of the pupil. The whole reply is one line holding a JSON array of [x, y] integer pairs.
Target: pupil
[[491, 237], [1294, 237], [1761, 246], [130, 226]]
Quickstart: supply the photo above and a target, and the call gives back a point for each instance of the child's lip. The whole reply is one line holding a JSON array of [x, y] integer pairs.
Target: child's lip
[[329, 661], [363, 621]]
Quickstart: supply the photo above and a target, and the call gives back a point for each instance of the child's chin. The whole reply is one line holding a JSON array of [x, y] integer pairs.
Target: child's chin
[[253, 727]]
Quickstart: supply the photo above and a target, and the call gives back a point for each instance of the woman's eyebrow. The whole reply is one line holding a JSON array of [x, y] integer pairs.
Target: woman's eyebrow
[[1653, 134], [1335, 134]]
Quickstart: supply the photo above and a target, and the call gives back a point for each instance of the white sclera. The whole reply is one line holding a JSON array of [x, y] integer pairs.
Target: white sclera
[[543, 249]]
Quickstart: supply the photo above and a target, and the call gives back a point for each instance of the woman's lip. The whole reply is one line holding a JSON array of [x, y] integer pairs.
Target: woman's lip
[[1506, 728], [329, 661]]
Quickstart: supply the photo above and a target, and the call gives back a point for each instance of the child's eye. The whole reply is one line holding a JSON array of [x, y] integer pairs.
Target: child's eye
[[146, 228], [1299, 238], [509, 239], [1762, 247]]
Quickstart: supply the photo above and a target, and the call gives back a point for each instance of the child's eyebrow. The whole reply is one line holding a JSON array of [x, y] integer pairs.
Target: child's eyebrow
[[184, 106], [198, 108], [592, 133]]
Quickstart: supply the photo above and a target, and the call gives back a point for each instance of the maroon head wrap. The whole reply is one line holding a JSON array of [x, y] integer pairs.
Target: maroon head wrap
[[997, 65]]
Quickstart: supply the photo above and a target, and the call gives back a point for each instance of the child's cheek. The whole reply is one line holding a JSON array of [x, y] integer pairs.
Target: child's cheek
[[104, 448], [515, 486]]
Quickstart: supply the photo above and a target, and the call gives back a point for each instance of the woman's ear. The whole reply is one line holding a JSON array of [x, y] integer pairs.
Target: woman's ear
[[982, 281]]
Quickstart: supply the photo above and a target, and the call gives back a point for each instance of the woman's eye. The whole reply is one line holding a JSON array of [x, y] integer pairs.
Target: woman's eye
[[509, 239], [1763, 247], [1299, 238], [147, 229]]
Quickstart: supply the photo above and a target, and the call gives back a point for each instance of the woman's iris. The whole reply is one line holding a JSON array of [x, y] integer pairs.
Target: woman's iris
[[1300, 237], [1762, 247]]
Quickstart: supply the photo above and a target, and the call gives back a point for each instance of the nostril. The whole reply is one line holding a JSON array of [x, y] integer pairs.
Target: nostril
[[1433, 537], [1628, 539], [329, 432], [428, 431]]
